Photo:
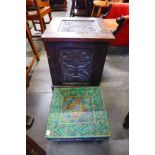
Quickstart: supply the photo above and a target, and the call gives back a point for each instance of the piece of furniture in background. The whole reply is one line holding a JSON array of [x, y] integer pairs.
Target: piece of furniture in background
[[100, 5], [88, 4], [116, 10], [40, 9], [58, 5], [117, 19], [76, 50], [120, 28], [32, 148], [79, 8], [36, 56]]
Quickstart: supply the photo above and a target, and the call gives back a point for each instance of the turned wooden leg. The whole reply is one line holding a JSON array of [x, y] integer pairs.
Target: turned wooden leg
[[72, 8], [65, 5], [42, 26], [92, 13], [29, 36], [99, 11], [49, 15], [34, 25]]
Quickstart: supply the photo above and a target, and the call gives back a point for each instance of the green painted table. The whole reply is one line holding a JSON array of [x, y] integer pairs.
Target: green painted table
[[77, 114]]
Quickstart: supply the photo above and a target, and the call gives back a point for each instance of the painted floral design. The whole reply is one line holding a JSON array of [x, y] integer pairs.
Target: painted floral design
[[77, 113]]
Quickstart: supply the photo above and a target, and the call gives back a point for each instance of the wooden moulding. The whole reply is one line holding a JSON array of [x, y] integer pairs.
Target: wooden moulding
[[54, 31]]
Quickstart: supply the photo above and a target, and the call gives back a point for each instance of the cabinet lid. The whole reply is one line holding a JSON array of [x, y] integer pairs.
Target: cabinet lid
[[77, 29]]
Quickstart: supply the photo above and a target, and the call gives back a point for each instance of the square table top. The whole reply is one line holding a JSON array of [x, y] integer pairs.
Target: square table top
[[77, 113], [77, 29]]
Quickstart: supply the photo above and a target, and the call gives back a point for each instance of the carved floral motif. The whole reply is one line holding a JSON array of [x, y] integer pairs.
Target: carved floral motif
[[76, 65], [81, 26]]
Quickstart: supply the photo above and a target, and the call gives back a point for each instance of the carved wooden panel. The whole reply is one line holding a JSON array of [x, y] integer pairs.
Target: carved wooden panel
[[76, 65], [80, 26]]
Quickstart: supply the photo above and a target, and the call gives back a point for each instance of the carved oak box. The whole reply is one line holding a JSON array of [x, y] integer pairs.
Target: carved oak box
[[76, 50]]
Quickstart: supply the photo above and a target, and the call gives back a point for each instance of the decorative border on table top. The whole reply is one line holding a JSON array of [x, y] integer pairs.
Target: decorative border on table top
[[47, 135]]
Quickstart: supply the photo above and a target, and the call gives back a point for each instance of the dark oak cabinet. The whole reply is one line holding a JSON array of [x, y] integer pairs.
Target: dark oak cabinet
[[76, 50]]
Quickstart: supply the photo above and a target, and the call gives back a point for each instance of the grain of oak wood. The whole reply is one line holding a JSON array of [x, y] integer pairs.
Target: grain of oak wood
[[52, 33]]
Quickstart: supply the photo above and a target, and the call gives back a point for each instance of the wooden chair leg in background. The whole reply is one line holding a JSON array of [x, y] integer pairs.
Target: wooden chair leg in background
[[50, 16], [99, 5], [44, 23], [65, 5], [29, 36], [42, 26], [92, 13], [99, 11], [35, 57], [34, 25]]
